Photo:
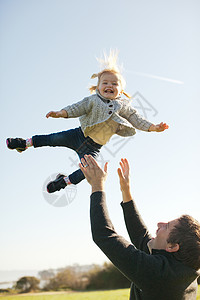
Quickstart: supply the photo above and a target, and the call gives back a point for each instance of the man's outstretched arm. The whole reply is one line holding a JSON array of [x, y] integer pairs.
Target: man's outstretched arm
[[134, 264], [136, 228]]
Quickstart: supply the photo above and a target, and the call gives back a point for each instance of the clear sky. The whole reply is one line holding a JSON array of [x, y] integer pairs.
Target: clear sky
[[48, 53]]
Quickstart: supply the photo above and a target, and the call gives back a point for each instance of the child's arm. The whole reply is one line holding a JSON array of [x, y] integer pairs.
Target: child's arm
[[72, 111], [139, 122], [57, 114], [159, 127]]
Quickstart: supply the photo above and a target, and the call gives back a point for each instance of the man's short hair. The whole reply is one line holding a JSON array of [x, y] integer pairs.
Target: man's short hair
[[187, 234]]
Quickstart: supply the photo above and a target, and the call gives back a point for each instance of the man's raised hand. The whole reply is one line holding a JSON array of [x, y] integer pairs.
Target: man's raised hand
[[124, 179], [95, 175]]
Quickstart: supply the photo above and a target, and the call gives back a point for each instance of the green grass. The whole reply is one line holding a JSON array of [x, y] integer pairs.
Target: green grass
[[99, 295], [122, 294], [198, 293]]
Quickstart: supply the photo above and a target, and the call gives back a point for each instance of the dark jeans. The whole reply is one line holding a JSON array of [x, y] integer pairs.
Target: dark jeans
[[73, 139]]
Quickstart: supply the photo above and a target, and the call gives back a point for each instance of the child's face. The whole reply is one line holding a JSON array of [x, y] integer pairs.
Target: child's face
[[109, 86]]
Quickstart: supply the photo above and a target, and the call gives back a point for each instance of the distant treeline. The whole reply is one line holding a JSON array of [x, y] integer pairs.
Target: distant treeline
[[93, 277], [75, 277]]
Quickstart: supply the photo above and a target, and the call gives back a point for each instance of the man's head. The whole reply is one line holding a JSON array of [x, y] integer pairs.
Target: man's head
[[182, 237], [187, 234], [162, 236]]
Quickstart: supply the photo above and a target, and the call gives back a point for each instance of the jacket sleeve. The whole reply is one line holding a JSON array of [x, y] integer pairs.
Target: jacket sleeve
[[135, 264], [80, 108], [136, 228], [133, 117]]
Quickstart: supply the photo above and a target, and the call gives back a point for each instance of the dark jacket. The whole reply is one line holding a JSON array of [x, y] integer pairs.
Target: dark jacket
[[156, 276]]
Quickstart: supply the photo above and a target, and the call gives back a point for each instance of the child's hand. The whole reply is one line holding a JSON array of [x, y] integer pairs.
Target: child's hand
[[57, 114], [159, 127]]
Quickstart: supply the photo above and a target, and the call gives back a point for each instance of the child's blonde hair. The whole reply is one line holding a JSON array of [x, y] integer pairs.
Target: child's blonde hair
[[109, 65]]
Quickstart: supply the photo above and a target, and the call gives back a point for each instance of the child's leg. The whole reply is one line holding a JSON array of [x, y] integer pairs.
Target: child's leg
[[75, 177], [71, 139], [61, 181], [29, 142], [88, 147]]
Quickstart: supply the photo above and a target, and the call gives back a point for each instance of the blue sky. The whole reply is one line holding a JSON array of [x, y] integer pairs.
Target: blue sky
[[48, 53]]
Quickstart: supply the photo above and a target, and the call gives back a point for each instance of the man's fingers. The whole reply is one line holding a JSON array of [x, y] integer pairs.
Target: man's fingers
[[82, 169], [106, 167], [122, 165], [83, 161], [119, 171], [91, 161], [126, 164], [83, 165]]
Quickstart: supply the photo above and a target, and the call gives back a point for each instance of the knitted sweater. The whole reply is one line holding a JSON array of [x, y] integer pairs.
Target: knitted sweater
[[95, 109]]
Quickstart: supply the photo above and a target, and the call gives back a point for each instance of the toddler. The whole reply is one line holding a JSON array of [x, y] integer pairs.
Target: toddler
[[101, 115]]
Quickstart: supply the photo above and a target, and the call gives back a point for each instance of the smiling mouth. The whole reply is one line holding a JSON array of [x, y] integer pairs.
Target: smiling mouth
[[109, 91]]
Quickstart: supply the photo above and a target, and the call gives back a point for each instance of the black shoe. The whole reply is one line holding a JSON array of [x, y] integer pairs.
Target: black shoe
[[18, 144], [57, 184]]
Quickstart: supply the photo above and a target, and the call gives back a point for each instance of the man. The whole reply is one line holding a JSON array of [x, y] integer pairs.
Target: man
[[163, 268]]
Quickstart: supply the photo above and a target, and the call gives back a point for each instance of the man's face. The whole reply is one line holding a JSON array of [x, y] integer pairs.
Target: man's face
[[109, 86], [162, 234]]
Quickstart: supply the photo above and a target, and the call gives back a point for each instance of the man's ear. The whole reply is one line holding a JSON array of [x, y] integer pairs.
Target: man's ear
[[172, 247]]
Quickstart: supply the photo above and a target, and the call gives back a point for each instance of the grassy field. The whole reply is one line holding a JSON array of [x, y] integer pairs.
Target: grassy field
[[100, 295]]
